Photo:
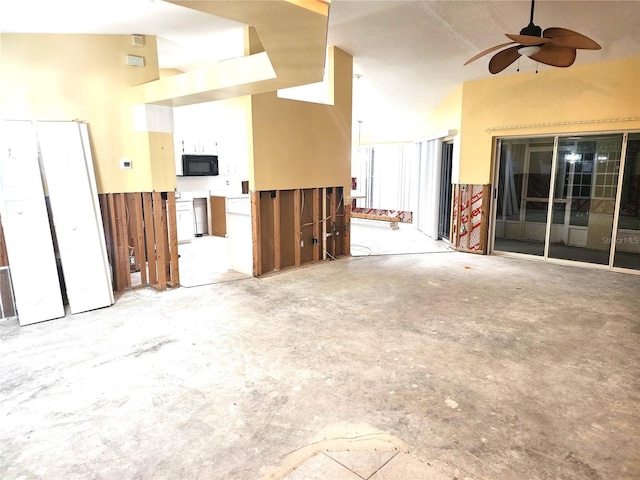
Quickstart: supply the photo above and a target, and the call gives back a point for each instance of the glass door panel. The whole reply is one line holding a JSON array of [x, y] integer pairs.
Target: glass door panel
[[627, 249], [586, 179], [523, 195]]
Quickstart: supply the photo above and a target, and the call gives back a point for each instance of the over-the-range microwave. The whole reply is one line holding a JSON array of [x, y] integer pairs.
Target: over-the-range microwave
[[199, 165]]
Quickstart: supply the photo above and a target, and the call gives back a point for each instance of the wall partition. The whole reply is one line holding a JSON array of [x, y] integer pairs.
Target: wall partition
[[564, 198]]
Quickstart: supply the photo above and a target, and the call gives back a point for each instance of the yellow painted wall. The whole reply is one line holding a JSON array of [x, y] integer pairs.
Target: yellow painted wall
[[300, 144], [163, 167], [447, 116], [84, 77], [555, 101]]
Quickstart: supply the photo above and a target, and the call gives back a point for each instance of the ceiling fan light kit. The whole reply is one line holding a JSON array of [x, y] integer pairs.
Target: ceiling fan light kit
[[554, 46], [528, 50]]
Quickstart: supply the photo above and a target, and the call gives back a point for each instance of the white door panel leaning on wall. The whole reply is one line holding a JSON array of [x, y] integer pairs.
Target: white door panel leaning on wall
[[70, 180], [26, 226]]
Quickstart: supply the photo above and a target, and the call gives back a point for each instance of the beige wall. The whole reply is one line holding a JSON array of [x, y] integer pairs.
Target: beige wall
[[447, 116], [84, 77], [300, 144], [577, 99]]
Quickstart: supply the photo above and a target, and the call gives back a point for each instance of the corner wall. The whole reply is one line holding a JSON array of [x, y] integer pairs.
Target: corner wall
[[300, 144]]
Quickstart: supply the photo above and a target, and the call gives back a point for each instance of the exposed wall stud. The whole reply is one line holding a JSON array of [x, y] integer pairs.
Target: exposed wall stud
[[141, 252], [150, 235], [173, 240], [297, 222], [277, 244], [316, 224], [160, 242], [257, 237]]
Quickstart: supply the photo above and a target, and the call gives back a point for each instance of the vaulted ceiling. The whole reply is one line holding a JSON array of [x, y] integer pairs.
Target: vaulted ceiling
[[410, 53]]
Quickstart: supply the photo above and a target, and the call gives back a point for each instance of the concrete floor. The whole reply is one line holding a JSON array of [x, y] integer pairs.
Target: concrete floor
[[436, 366]]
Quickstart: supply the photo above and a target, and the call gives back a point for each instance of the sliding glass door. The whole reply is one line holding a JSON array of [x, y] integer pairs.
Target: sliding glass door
[[523, 195], [558, 198], [627, 239], [586, 177]]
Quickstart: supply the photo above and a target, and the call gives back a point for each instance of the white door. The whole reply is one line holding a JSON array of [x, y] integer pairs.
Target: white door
[[70, 181], [26, 227]]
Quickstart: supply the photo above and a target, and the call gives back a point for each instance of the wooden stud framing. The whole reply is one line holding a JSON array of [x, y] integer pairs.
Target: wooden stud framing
[[346, 247], [257, 237], [165, 241], [142, 224], [278, 246], [277, 243], [150, 234], [141, 253], [317, 212], [106, 224], [160, 232], [111, 216], [173, 240], [132, 237], [297, 234], [123, 241], [332, 220], [120, 248]]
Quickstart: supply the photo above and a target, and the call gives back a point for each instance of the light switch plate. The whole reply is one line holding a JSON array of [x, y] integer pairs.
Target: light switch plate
[[125, 164]]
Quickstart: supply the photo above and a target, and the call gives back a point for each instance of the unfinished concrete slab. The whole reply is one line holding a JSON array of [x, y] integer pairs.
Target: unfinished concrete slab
[[482, 367]]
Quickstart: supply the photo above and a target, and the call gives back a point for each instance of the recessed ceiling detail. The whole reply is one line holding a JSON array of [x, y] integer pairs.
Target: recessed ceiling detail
[[292, 33]]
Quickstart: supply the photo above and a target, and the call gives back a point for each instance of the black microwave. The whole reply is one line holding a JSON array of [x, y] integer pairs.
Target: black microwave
[[199, 165]]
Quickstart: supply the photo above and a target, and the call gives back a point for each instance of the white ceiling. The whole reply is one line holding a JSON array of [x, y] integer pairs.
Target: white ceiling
[[410, 53]]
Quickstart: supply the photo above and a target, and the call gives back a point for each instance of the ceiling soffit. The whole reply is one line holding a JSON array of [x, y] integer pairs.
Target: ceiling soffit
[[294, 37]]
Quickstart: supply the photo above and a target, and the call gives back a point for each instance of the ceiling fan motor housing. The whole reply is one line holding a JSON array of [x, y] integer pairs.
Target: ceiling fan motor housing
[[531, 30]]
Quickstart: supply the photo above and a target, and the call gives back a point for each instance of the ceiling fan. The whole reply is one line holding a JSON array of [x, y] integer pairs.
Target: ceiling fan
[[555, 46]]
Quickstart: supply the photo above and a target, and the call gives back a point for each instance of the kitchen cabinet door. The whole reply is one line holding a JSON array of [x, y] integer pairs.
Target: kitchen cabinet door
[[68, 168], [27, 231]]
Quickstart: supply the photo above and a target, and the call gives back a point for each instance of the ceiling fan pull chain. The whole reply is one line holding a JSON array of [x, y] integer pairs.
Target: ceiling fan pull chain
[[537, 64]]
